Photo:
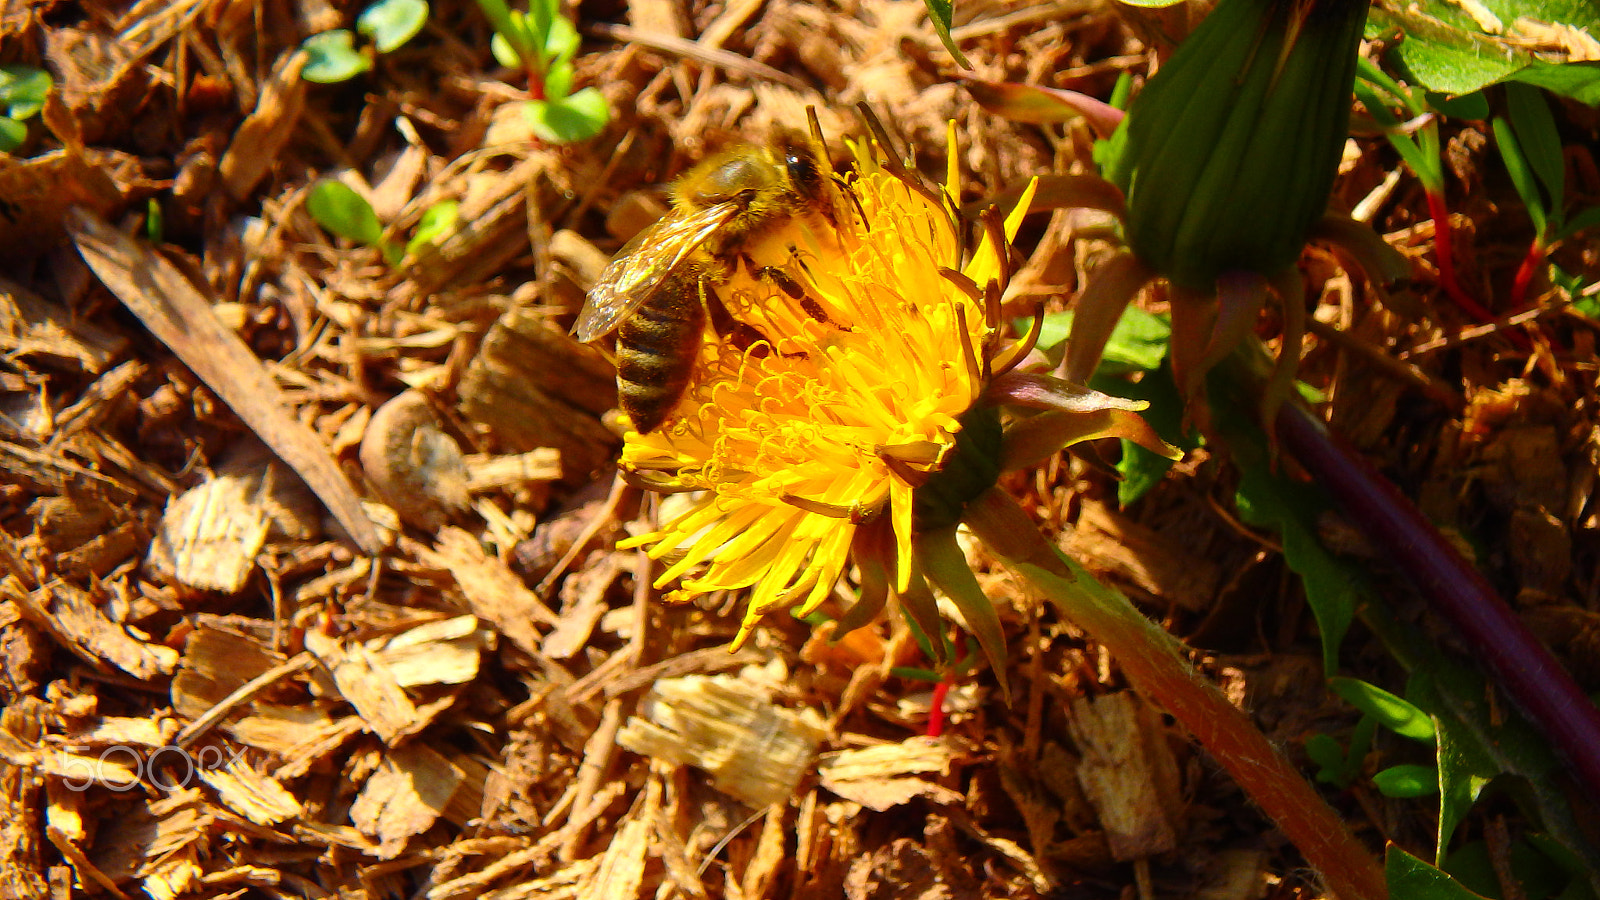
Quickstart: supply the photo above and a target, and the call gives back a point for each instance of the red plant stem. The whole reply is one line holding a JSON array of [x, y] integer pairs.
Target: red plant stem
[[1523, 666], [1444, 251], [1524, 276], [936, 707]]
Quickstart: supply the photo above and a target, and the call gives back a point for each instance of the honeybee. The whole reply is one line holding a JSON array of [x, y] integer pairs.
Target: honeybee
[[661, 289]]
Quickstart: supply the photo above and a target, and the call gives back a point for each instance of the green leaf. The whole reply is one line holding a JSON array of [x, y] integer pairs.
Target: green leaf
[[1393, 713], [1412, 879], [1589, 218], [1522, 177], [563, 39], [391, 23], [503, 52], [12, 134], [558, 80], [1536, 134], [1405, 782], [23, 90], [1485, 740], [570, 119], [939, 12], [436, 224], [334, 57], [941, 559], [1464, 770], [1472, 107], [155, 227], [1446, 49], [1580, 81], [337, 207]]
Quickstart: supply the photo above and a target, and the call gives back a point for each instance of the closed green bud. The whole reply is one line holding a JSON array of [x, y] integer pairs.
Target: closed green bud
[[1228, 155]]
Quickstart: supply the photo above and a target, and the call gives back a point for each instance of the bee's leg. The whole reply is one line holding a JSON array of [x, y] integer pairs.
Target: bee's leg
[[785, 282], [743, 335]]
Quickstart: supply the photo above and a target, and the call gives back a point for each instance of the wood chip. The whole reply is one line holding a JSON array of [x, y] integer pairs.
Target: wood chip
[[885, 776], [177, 314], [492, 591], [68, 613], [410, 790], [1127, 772], [753, 749]]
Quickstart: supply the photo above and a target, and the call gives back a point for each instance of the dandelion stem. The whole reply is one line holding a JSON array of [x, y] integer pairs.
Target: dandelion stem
[[1153, 662]]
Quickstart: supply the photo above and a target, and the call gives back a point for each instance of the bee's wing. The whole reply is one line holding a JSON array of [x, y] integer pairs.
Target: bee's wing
[[632, 278]]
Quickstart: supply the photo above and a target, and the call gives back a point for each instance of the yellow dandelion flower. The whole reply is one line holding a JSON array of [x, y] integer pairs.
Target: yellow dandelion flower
[[855, 402]]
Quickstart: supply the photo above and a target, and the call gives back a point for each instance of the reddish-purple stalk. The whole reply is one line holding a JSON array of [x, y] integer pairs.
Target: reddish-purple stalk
[[1524, 667], [936, 707], [1444, 252], [1524, 276]]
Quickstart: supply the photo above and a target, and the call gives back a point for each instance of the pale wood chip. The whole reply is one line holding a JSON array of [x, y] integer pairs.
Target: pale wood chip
[[177, 314], [210, 535], [1125, 766], [261, 136], [217, 660], [367, 683], [65, 809], [69, 615], [442, 652], [883, 777], [172, 875], [771, 856], [154, 731], [405, 796], [256, 796], [754, 749], [493, 592], [490, 473], [621, 870], [584, 596], [20, 830]]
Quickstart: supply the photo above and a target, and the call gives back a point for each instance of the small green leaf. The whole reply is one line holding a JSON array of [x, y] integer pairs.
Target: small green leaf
[[558, 80], [1412, 879], [12, 134], [939, 13], [503, 52], [1407, 781], [1589, 218], [391, 23], [23, 90], [1395, 714], [334, 57], [1522, 177], [570, 119], [154, 222], [436, 224], [1323, 750], [337, 207], [1540, 141], [1473, 107], [563, 39]]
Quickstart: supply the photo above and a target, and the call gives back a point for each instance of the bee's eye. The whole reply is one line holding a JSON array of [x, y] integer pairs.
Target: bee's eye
[[803, 172]]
